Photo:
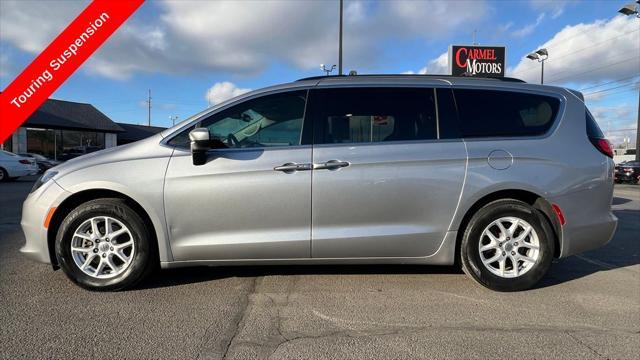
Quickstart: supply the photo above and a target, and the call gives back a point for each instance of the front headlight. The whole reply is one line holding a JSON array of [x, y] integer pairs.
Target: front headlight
[[48, 175]]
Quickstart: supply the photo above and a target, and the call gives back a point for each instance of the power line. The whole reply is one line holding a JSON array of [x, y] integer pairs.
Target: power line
[[576, 51], [596, 68], [619, 91], [608, 82], [609, 89]]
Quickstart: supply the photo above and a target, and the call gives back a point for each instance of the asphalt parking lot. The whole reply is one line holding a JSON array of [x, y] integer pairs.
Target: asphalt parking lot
[[587, 307]]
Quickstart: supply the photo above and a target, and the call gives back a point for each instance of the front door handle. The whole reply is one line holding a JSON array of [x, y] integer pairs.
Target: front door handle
[[292, 167], [331, 165]]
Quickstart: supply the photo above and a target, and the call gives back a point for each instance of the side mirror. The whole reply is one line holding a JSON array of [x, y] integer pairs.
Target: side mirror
[[200, 144]]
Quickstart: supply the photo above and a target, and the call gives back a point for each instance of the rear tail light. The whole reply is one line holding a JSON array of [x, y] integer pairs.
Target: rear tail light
[[603, 146], [25, 162]]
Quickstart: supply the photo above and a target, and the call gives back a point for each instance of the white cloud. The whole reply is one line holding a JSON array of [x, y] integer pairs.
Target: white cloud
[[528, 29], [4, 65], [587, 53], [241, 37], [31, 25], [617, 122], [222, 91], [439, 65], [555, 7]]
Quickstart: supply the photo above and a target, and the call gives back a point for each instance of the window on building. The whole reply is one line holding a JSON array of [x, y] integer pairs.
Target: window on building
[[75, 143], [63, 144], [41, 141], [8, 144]]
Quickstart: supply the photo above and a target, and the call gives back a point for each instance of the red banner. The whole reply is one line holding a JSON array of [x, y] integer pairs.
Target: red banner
[[60, 59]]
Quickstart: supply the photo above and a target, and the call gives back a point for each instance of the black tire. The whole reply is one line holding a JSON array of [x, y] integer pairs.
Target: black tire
[[4, 176], [143, 258], [470, 257]]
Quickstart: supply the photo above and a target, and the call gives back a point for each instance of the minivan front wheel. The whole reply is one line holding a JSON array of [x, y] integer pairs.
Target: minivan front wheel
[[103, 244], [507, 246]]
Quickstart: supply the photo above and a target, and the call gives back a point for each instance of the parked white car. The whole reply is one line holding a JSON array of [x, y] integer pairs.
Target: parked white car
[[13, 166]]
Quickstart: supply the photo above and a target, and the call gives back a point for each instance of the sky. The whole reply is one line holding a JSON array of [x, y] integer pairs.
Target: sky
[[193, 54]]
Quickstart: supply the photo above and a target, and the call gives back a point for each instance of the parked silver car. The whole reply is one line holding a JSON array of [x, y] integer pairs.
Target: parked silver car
[[497, 175]]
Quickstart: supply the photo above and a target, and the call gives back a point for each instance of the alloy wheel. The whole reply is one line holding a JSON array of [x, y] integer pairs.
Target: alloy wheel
[[509, 247], [102, 247]]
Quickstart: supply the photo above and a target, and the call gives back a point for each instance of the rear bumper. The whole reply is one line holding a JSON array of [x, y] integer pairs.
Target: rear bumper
[[585, 237]]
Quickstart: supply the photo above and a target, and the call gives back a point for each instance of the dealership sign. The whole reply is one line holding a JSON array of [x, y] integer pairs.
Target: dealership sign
[[480, 61]]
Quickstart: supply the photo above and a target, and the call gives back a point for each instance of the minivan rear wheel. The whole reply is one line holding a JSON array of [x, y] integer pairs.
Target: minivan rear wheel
[[507, 246], [104, 245]]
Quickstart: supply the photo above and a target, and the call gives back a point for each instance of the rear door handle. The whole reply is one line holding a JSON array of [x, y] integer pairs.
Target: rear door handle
[[331, 165], [292, 167]]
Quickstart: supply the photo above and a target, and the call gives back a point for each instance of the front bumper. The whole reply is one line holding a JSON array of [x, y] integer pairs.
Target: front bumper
[[34, 212]]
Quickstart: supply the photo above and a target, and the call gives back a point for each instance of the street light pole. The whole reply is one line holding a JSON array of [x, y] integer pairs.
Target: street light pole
[[634, 10], [540, 55], [340, 42]]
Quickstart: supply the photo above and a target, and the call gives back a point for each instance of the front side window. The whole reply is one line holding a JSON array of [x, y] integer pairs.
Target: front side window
[[272, 120], [365, 115], [488, 113]]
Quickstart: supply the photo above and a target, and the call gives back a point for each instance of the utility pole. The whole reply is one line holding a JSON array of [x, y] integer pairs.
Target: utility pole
[[638, 129], [173, 119], [149, 107], [340, 42]]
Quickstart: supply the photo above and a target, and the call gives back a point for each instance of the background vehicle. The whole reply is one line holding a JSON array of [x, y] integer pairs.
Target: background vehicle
[[358, 169], [624, 155], [13, 166], [628, 171], [43, 162]]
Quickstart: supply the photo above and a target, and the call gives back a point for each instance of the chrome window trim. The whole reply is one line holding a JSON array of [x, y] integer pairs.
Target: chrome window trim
[[556, 93], [396, 142], [187, 151]]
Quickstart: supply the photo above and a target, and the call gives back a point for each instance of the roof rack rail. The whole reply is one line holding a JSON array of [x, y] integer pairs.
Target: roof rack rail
[[508, 79]]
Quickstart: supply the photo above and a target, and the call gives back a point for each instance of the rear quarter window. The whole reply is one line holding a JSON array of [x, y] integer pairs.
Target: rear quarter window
[[490, 113], [593, 130]]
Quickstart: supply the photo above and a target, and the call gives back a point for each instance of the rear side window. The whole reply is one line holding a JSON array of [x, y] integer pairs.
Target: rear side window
[[593, 130], [365, 115], [488, 113]]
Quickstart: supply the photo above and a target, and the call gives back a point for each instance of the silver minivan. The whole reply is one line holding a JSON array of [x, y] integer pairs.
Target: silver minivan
[[495, 175]]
